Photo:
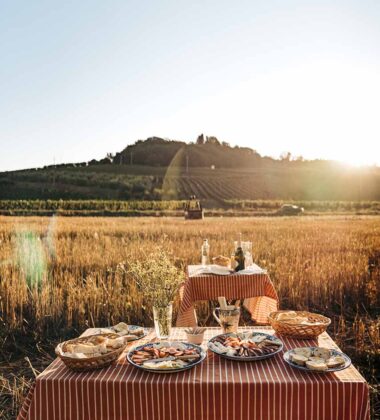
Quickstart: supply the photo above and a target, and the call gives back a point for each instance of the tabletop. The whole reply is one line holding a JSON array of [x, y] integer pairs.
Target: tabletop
[[216, 389]]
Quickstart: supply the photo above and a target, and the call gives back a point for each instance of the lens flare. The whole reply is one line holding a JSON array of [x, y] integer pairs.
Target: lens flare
[[30, 258], [173, 175]]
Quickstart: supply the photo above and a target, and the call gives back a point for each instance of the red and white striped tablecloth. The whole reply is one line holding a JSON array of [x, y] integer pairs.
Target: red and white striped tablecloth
[[257, 289], [216, 389]]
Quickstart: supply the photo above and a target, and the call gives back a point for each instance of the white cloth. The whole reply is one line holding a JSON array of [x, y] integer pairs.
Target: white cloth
[[253, 269], [197, 270]]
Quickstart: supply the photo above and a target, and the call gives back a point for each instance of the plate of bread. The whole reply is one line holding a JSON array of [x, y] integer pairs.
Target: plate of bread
[[222, 261], [129, 332], [317, 359]]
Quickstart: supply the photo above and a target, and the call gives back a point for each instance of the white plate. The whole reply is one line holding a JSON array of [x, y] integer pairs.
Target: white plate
[[333, 353], [247, 358], [202, 356], [130, 329]]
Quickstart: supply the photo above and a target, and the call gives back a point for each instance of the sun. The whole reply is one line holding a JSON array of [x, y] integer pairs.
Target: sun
[[357, 159]]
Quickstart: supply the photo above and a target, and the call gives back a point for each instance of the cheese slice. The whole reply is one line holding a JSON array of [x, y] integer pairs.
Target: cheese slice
[[334, 362], [257, 338], [298, 359], [322, 352], [316, 359], [159, 365], [321, 366], [303, 351]]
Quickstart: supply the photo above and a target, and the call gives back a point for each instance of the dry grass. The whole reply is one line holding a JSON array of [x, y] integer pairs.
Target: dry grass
[[60, 275]]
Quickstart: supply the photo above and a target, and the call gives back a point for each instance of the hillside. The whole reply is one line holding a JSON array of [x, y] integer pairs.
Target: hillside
[[214, 172]]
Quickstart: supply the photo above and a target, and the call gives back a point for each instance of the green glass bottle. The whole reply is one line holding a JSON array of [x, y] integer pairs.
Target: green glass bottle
[[239, 256]]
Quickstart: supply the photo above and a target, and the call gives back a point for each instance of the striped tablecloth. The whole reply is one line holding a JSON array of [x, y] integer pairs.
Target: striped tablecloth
[[216, 389], [258, 288]]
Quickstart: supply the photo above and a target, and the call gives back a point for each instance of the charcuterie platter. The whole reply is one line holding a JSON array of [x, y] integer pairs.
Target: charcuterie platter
[[245, 346], [166, 356]]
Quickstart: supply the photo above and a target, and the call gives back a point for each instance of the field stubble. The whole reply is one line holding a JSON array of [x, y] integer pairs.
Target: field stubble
[[60, 275]]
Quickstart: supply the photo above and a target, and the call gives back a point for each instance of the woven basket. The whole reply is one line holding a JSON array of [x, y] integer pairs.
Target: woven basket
[[283, 327], [89, 363]]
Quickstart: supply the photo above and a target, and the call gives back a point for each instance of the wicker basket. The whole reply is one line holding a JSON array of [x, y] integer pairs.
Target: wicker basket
[[89, 363], [284, 327]]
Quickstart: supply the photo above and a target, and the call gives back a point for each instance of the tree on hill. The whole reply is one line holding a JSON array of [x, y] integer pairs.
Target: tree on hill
[[212, 140], [200, 139], [285, 156]]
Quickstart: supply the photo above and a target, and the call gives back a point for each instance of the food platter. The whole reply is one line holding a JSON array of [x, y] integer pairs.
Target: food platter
[[130, 332], [166, 357], [245, 346], [330, 361]]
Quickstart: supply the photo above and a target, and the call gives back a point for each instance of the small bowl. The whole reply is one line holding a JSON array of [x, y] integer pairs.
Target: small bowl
[[195, 338]]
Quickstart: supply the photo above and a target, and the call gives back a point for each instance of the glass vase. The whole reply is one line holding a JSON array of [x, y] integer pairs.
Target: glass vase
[[163, 320]]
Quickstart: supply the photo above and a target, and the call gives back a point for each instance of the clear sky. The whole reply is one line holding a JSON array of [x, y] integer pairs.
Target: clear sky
[[82, 78]]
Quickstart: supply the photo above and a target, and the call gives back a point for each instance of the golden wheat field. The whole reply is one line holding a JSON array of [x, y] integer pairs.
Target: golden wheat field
[[60, 275]]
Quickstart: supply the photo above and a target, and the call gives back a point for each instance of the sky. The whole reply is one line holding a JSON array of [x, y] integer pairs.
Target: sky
[[79, 79]]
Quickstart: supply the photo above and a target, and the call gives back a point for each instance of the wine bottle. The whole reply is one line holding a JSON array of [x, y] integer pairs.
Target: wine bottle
[[239, 256]]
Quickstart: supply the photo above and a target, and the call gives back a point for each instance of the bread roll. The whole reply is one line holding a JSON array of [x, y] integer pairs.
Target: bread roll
[[76, 355], [221, 260], [284, 316], [137, 331], [121, 327], [96, 339], [115, 343], [82, 348]]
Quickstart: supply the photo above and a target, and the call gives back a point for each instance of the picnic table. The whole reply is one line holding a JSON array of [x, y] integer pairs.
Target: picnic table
[[256, 287], [217, 389]]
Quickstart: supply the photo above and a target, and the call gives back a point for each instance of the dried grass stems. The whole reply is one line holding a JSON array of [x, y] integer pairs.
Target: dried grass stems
[[58, 279]]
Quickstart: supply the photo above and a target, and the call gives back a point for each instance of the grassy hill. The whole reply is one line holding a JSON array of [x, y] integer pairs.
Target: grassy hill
[[172, 170]]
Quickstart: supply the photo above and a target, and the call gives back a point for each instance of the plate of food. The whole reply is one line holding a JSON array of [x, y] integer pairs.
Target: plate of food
[[166, 356], [129, 332], [317, 359], [91, 352], [245, 346]]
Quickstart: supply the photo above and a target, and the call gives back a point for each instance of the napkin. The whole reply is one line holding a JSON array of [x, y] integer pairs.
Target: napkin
[[197, 270], [252, 269]]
